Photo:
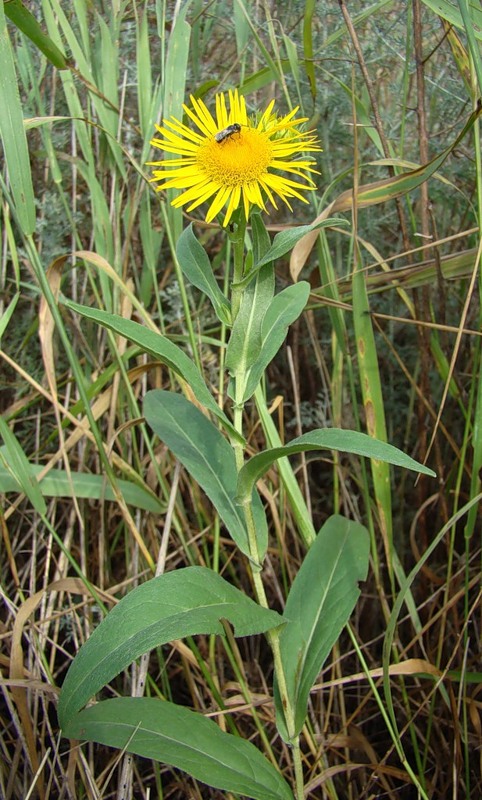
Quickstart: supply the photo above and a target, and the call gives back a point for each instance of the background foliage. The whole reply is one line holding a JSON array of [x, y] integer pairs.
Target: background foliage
[[390, 344]]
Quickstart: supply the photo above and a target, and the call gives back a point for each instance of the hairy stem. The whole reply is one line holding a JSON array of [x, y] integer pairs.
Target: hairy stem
[[239, 378]]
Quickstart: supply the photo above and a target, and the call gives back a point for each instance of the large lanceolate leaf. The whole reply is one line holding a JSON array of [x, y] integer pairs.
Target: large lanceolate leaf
[[208, 457], [329, 439], [178, 736], [196, 266], [318, 607], [281, 313], [163, 349], [181, 603], [245, 341], [284, 241]]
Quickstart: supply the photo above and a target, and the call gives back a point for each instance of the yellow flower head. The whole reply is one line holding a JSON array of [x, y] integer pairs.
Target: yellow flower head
[[231, 161]]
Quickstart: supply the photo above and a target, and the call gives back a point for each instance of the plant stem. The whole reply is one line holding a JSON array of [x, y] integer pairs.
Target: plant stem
[[299, 781], [239, 378], [237, 239]]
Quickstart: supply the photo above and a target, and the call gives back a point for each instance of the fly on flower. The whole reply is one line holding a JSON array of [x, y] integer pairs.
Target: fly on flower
[[221, 136], [264, 161]]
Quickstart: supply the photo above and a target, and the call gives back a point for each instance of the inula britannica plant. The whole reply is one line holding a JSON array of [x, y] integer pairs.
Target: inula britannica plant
[[232, 166]]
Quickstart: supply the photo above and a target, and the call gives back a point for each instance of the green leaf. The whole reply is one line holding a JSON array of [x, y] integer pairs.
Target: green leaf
[[264, 77], [245, 341], [260, 236], [196, 266], [284, 241], [8, 313], [58, 484], [163, 349], [18, 466], [165, 732], [12, 133], [282, 312], [318, 607], [291, 48], [331, 439], [181, 603], [208, 457]]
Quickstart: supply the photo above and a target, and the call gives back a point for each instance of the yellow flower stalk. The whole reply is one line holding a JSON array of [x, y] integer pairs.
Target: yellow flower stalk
[[231, 161]]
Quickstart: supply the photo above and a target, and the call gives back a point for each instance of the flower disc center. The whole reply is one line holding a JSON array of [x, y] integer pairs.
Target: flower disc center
[[240, 158]]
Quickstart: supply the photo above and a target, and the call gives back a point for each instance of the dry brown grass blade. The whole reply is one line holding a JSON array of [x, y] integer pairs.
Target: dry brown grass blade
[[47, 324], [82, 428], [19, 694], [46, 332], [455, 352], [460, 54], [346, 769], [412, 666], [374, 193], [303, 248], [344, 202], [46, 336], [102, 264], [121, 345], [8, 547]]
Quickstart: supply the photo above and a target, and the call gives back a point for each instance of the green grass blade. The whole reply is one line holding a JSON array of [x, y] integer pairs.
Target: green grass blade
[[13, 136], [26, 22], [299, 510], [472, 20], [452, 14], [308, 45], [372, 395], [8, 313], [17, 464], [144, 73], [58, 483], [174, 94]]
